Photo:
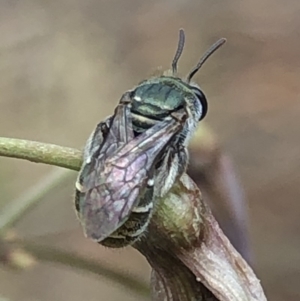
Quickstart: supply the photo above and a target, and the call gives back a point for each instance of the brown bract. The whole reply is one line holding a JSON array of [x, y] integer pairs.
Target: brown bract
[[191, 257]]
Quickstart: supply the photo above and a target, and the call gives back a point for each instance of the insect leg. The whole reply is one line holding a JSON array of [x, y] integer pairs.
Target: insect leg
[[172, 167]]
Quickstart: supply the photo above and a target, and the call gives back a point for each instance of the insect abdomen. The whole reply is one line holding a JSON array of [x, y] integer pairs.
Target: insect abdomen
[[136, 224]]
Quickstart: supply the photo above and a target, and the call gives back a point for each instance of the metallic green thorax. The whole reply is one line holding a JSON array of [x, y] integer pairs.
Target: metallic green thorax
[[157, 98]]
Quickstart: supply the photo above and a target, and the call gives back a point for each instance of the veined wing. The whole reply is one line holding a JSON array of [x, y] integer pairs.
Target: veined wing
[[111, 133], [123, 178], [108, 136]]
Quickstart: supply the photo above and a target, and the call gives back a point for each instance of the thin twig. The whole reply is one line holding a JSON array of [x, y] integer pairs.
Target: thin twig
[[10, 214], [39, 152], [70, 259]]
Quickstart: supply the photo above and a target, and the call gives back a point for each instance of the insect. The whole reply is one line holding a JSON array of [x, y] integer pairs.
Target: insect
[[161, 113], [115, 184]]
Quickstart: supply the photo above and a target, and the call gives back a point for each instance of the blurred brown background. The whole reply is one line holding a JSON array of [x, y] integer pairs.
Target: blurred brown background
[[64, 65]]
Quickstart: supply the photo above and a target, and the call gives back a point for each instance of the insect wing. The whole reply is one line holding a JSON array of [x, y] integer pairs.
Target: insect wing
[[123, 179], [120, 130], [108, 136]]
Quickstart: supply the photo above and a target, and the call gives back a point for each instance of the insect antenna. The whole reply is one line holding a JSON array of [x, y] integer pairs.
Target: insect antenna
[[178, 51], [206, 55]]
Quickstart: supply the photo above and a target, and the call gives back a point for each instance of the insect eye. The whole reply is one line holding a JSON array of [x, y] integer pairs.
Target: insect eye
[[202, 99]]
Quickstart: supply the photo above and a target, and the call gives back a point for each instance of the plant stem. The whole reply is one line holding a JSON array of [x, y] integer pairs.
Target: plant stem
[[39, 152], [14, 210], [66, 258]]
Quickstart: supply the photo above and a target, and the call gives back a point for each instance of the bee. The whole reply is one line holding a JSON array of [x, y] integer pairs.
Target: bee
[[135, 156], [114, 190]]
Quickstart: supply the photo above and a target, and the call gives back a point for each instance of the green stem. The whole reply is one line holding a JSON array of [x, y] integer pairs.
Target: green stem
[[40, 152]]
